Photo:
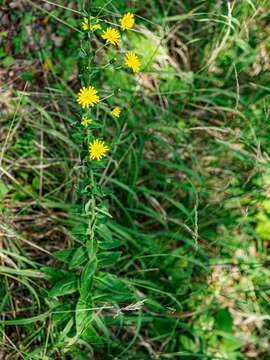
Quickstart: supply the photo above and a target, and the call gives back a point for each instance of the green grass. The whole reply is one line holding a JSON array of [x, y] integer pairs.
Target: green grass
[[181, 207]]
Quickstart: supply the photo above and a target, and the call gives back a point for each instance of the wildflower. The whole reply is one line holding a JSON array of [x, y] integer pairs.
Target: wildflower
[[116, 112], [111, 36], [86, 121], [127, 21], [97, 149], [91, 27], [132, 61], [88, 97]]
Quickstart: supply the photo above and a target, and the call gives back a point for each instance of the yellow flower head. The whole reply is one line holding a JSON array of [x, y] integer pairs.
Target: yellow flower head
[[97, 149], [88, 97], [127, 21], [91, 27], [111, 36], [132, 61], [116, 112], [86, 121]]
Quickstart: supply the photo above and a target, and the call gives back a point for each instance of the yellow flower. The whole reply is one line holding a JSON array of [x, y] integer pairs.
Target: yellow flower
[[86, 121], [132, 61], [91, 27], [116, 112], [127, 21], [97, 149], [111, 36], [85, 24], [88, 97]]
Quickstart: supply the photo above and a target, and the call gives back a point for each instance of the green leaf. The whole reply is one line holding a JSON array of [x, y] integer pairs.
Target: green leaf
[[114, 243], [79, 229], [107, 245], [79, 257], [263, 228], [224, 321], [108, 258], [27, 76], [54, 274], [68, 285], [165, 327], [62, 313], [66, 329], [107, 241], [231, 344], [36, 183], [84, 313], [8, 61], [73, 256], [91, 336], [64, 255], [187, 343], [104, 232], [91, 246], [112, 288], [3, 190], [86, 278], [101, 191]]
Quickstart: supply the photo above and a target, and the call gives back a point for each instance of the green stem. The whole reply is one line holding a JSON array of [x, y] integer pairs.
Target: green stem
[[92, 245]]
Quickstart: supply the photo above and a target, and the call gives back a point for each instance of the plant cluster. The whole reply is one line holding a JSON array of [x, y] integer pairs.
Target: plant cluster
[[86, 284]]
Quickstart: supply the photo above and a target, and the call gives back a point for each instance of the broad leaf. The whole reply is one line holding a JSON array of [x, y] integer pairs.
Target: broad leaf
[[108, 258], [87, 277], [67, 285]]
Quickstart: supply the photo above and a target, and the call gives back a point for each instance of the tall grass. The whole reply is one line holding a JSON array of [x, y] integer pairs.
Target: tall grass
[[181, 270]]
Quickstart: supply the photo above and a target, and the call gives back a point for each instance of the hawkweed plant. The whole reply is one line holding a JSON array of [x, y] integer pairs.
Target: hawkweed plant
[[87, 287]]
